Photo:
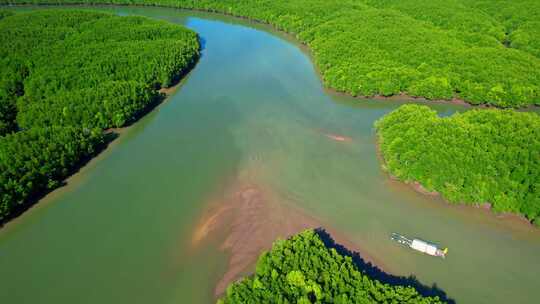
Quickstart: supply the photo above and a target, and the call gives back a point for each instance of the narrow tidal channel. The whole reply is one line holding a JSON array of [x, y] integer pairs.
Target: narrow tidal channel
[[253, 109]]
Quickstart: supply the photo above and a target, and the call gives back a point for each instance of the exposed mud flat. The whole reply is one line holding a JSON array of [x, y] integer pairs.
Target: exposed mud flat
[[418, 187], [250, 218], [169, 90], [339, 138], [333, 136]]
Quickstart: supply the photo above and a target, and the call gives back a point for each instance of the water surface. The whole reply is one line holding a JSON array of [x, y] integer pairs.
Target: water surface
[[120, 231]]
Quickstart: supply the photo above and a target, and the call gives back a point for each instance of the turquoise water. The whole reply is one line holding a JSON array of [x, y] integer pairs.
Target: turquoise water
[[120, 231]]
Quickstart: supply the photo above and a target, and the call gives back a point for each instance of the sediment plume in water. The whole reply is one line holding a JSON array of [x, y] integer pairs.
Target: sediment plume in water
[[339, 138], [251, 217], [253, 220]]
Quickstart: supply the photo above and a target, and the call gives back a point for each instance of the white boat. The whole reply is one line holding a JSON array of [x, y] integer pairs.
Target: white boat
[[420, 245]]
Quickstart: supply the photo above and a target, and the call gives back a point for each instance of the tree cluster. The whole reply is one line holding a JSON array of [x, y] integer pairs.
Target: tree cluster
[[67, 75], [303, 270], [480, 156], [481, 51]]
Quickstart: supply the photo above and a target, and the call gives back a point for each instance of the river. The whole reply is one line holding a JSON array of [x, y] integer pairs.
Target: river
[[121, 230]]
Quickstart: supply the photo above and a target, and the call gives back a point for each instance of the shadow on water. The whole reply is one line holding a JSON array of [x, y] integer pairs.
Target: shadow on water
[[376, 273], [202, 43]]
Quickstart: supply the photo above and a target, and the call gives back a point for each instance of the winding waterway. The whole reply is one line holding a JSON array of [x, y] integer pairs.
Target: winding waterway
[[121, 230]]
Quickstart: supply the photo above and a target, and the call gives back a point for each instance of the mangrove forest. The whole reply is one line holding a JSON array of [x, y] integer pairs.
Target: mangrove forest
[[476, 157], [303, 270], [285, 123], [480, 51], [66, 76]]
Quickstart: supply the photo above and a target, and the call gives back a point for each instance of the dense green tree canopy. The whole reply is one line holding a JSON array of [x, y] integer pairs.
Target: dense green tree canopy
[[482, 51], [303, 270], [480, 156], [67, 75]]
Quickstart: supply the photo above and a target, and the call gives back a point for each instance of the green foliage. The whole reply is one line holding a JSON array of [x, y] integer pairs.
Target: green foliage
[[38, 159], [482, 51], [109, 104], [65, 77], [526, 38], [518, 19], [5, 13], [536, 221], [303, 270], [475, 157]]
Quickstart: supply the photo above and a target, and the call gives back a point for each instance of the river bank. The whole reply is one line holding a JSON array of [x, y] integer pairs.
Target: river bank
[[112, 137], [402, 96], [418, 187], [250, 218]]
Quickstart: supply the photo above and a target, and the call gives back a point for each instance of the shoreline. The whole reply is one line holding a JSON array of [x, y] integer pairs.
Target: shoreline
[[167, 92], [247, 218], [112, 139], [419, 188], [402, 96]]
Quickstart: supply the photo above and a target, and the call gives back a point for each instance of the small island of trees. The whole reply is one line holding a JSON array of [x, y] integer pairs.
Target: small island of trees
[[480, 156]]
